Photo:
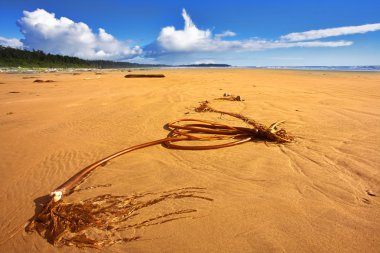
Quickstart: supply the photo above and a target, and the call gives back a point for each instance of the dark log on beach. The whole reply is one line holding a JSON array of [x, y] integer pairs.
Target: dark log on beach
[[42, 81], [144, 76]]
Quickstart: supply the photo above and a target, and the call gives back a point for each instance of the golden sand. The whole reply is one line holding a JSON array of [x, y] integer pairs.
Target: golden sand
[[317, 194]]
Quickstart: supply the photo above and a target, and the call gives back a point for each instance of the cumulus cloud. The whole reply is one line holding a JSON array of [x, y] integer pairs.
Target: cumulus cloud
[[194, 40], [6, 42], [43, 31], [331, 32], [187, 39]]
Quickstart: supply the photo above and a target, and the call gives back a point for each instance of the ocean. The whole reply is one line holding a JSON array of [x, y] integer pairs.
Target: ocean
[[326, 68]]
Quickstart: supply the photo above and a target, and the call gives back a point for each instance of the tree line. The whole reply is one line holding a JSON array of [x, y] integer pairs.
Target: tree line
[[12, 57]]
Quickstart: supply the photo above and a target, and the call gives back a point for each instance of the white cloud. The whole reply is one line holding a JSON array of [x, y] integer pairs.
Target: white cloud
[[192, 40], [184, 40], [340, 43], [225, 34], [42, 30], [330, 32], [258, 45], [15, 43]]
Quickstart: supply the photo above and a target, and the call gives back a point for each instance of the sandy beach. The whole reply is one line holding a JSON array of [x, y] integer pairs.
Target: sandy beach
[[320, 193]]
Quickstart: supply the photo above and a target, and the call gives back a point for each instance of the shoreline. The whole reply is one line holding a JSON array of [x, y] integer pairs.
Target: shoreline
[[15, 70]]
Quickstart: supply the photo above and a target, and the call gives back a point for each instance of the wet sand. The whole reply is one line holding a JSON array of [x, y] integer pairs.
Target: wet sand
[[317, 194]]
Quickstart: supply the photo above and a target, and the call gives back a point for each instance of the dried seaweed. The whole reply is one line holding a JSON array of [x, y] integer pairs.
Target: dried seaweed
[[271, 133], [107, 219]]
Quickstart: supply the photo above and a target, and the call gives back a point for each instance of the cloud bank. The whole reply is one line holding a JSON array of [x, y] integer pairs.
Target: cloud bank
[[194, 40], [331, 32], [6, 42], [42, 30]]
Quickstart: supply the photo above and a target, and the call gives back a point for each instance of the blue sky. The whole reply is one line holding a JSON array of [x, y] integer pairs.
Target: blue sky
[[242, 33]]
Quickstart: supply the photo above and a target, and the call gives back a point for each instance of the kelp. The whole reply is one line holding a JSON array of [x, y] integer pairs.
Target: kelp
[[271, 133], [108, 219]]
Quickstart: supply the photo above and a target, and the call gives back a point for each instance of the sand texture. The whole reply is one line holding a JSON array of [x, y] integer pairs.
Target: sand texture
[[320, 193]]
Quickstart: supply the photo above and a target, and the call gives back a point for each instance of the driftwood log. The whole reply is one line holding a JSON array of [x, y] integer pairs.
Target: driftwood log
[[43, 81], [144, 76]]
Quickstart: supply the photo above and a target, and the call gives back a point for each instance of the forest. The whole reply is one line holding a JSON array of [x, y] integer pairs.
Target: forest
[[12, 57]]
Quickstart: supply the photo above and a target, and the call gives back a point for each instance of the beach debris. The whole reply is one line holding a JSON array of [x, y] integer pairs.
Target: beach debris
[[271, 133], [91, 78], [29, 77], [43, 81], [230, 97], [370, 193], [366, 201], [96, 222], [107, 219], [144, 76], [14, 92], [50, 70]]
